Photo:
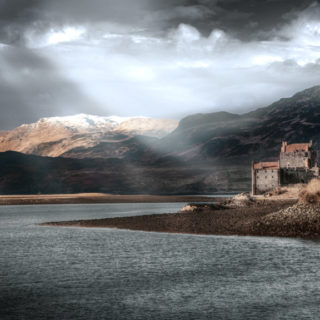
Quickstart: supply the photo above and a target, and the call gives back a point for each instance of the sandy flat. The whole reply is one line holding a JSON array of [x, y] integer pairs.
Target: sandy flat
[[95, 198]]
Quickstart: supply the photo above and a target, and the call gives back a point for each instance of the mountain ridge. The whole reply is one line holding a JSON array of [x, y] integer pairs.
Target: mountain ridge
[[258, 133], [207, 136], [204, 154], [56, 136]]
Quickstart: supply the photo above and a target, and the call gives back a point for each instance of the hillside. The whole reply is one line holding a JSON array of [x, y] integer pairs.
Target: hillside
[[257, 134], [65, 136], [29, 174], [205, 153], [218, 137]]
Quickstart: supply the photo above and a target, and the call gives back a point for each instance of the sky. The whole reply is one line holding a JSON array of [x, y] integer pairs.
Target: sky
[[163, 59]]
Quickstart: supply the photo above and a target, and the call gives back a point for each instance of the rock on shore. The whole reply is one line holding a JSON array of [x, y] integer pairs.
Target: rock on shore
[[299, 220]]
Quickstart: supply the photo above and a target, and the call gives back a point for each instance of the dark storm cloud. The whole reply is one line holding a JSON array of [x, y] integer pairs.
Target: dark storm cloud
[[245, 19], [18, 10], [258, 19], [30, 87], [14, 16]]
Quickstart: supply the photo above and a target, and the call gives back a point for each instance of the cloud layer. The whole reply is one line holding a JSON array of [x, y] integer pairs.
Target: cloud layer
[[153, 58]]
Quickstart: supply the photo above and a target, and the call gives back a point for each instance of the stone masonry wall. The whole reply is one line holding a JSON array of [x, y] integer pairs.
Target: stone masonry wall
[[292, 176], [266, 180], [298, 159]]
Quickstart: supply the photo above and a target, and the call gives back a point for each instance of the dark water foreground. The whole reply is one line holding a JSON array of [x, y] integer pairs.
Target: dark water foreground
[[81, 273]]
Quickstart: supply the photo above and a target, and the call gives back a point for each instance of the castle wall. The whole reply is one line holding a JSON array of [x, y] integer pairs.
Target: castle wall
[[266, 180], [297, 159], [293, 176], [297, 164]]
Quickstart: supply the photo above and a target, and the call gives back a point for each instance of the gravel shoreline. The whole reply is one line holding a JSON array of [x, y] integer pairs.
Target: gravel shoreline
[[263, 218]]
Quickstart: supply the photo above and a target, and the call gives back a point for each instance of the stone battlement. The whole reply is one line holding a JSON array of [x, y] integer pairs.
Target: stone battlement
[[266, 165]]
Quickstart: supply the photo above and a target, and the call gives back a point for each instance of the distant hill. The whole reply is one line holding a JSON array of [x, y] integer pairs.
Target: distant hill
[[203, 154], [29, 174], [223, 136], [66, 136], [219, 136]]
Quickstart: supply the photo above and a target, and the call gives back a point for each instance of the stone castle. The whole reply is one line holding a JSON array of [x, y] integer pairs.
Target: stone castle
[[297, 164]]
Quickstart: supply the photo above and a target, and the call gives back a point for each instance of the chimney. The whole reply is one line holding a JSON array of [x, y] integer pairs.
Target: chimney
[[284, 146]]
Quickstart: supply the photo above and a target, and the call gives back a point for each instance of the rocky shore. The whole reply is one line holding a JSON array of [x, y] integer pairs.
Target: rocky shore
[[300, 220], [285, 218]]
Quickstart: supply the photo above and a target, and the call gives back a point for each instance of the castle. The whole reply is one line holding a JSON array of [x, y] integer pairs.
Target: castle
[[297, 164]]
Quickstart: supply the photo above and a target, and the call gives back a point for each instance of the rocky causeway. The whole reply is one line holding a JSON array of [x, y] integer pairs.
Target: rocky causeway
[[276, 218]]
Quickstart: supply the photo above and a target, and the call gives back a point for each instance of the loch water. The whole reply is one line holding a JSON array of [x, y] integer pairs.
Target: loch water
[[78, 273]]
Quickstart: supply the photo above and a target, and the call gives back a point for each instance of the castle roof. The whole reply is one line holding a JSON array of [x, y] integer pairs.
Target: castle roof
[[296, 147], [266, 165]]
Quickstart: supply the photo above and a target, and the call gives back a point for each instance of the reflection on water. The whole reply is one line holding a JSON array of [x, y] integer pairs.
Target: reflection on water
[[73, 273]]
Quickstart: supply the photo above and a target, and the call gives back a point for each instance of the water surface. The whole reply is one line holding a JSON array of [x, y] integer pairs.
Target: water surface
[[77, 273]]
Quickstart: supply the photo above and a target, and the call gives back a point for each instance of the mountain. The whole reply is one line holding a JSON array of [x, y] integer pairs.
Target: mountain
[[223, 136], [203, 154], [214, 137], [58, 136], [29, 174]]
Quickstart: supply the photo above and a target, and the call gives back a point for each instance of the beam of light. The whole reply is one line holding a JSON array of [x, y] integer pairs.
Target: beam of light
[[140, 73], [67, 34], [53, 36], [261, 60]]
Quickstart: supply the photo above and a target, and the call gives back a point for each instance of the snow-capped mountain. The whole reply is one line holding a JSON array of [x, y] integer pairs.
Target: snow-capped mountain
[[59, 136], [86, 121]]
